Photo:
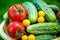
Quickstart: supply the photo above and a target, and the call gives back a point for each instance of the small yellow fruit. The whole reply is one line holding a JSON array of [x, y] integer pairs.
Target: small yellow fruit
[[26, 22], [25, 37], [41, 13], [31, 37], [41, 19]]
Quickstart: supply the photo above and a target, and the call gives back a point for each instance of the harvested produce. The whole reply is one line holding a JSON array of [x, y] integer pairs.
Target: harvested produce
[[50, 15], [58, 15], [3, 31], [15, 30], [31, 37], [26, 22], [44, 28], [5, 16], [25, 37], [37, 6], [41, 13], [57, 38], [17, 12], [41, 19], [31, 21], [54, 8], [32, 12], [45, 37]]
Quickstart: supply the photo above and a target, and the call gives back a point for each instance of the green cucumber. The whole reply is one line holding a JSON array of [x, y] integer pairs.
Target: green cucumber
[[45, 37], [50, 15], [37, 6], [54, 8], [44, 28], [32, 12]]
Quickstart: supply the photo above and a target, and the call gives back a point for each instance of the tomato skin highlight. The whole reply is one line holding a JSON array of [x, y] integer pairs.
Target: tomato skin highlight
[[14, 27], [17, 12]]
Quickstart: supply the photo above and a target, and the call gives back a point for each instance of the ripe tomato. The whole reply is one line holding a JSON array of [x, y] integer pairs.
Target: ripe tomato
[[15, 30], [17, 12]]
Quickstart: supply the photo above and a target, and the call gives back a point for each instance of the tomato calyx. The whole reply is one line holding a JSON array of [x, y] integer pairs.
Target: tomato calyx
[[18, 32], [19, 9]]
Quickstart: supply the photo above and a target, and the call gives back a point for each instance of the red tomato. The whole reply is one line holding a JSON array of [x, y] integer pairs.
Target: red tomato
[[15, 30], [17, 12]]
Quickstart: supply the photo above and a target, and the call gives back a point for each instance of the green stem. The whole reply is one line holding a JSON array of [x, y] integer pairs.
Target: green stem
[[18, 32]]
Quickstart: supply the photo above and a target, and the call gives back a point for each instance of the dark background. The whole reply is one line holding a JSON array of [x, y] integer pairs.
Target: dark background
[[5, 4]]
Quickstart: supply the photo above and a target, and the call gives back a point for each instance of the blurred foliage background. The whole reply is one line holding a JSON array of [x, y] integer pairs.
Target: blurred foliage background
[[5, 4]]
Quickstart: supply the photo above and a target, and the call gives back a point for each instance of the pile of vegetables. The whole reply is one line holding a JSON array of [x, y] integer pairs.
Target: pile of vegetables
[[31, 21]]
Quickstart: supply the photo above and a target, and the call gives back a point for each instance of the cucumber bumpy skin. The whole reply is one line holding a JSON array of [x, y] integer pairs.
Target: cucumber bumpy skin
[[45, 37], [32, 12], [44, 28], [50, 15], [54, 8]]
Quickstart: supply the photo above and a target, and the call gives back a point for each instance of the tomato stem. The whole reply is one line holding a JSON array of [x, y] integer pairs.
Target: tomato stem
[[18, 32], [20, 10]]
